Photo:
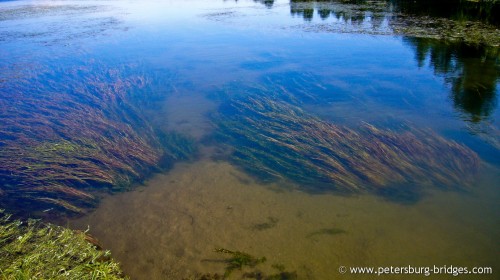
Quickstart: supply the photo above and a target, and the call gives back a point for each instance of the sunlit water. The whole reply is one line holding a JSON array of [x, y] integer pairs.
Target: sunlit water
[[169, 227]]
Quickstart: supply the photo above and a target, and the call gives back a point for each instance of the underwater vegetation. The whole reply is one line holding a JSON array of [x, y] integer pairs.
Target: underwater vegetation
[[270, 223], [35, 250], [67, 133], [246, 264], [277, 140], [238, 260], [327, 231]]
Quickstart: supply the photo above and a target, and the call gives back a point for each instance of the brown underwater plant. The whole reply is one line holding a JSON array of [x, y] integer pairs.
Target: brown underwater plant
[[62, 141], [278, 140]]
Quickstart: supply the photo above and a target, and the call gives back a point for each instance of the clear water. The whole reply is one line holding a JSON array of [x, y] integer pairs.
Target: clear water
[[195, 51]]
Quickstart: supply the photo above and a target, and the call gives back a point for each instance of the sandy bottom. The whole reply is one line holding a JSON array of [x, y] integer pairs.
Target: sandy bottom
[[169, 228]]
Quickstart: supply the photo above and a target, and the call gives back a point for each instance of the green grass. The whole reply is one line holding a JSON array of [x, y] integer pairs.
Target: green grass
[[35, 250]]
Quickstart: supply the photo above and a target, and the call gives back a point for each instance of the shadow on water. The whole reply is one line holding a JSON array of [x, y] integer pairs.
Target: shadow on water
[[471, 71]]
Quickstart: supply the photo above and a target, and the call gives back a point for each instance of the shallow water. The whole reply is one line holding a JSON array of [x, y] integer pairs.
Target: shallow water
[[197, 55], [169, 228]]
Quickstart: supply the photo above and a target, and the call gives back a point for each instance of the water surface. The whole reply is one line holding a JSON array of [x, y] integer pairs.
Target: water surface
[[177, 61]]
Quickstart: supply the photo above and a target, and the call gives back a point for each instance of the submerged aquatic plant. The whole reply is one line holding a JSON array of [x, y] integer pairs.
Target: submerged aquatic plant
[[67, 133], [248, 266], [270, 223], [34, 250], [238, 260], [327, 231], [277, 140]]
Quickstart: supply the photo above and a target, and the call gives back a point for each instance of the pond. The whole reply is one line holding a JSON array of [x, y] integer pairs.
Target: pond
[[262, 139]]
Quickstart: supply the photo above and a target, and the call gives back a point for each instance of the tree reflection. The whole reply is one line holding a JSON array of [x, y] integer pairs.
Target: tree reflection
[[344, 11], [267, 3], [305, 10], [462, 10], [472, 72]]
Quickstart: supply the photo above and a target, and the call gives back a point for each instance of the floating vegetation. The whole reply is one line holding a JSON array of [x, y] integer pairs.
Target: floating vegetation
[[469, 32], [271, 222], [277, 140], [34, 250], [238, 260], [67, 133], [327, 231]]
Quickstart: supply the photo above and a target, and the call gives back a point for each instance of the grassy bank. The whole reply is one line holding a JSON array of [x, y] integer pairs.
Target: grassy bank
[[36, 250]]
